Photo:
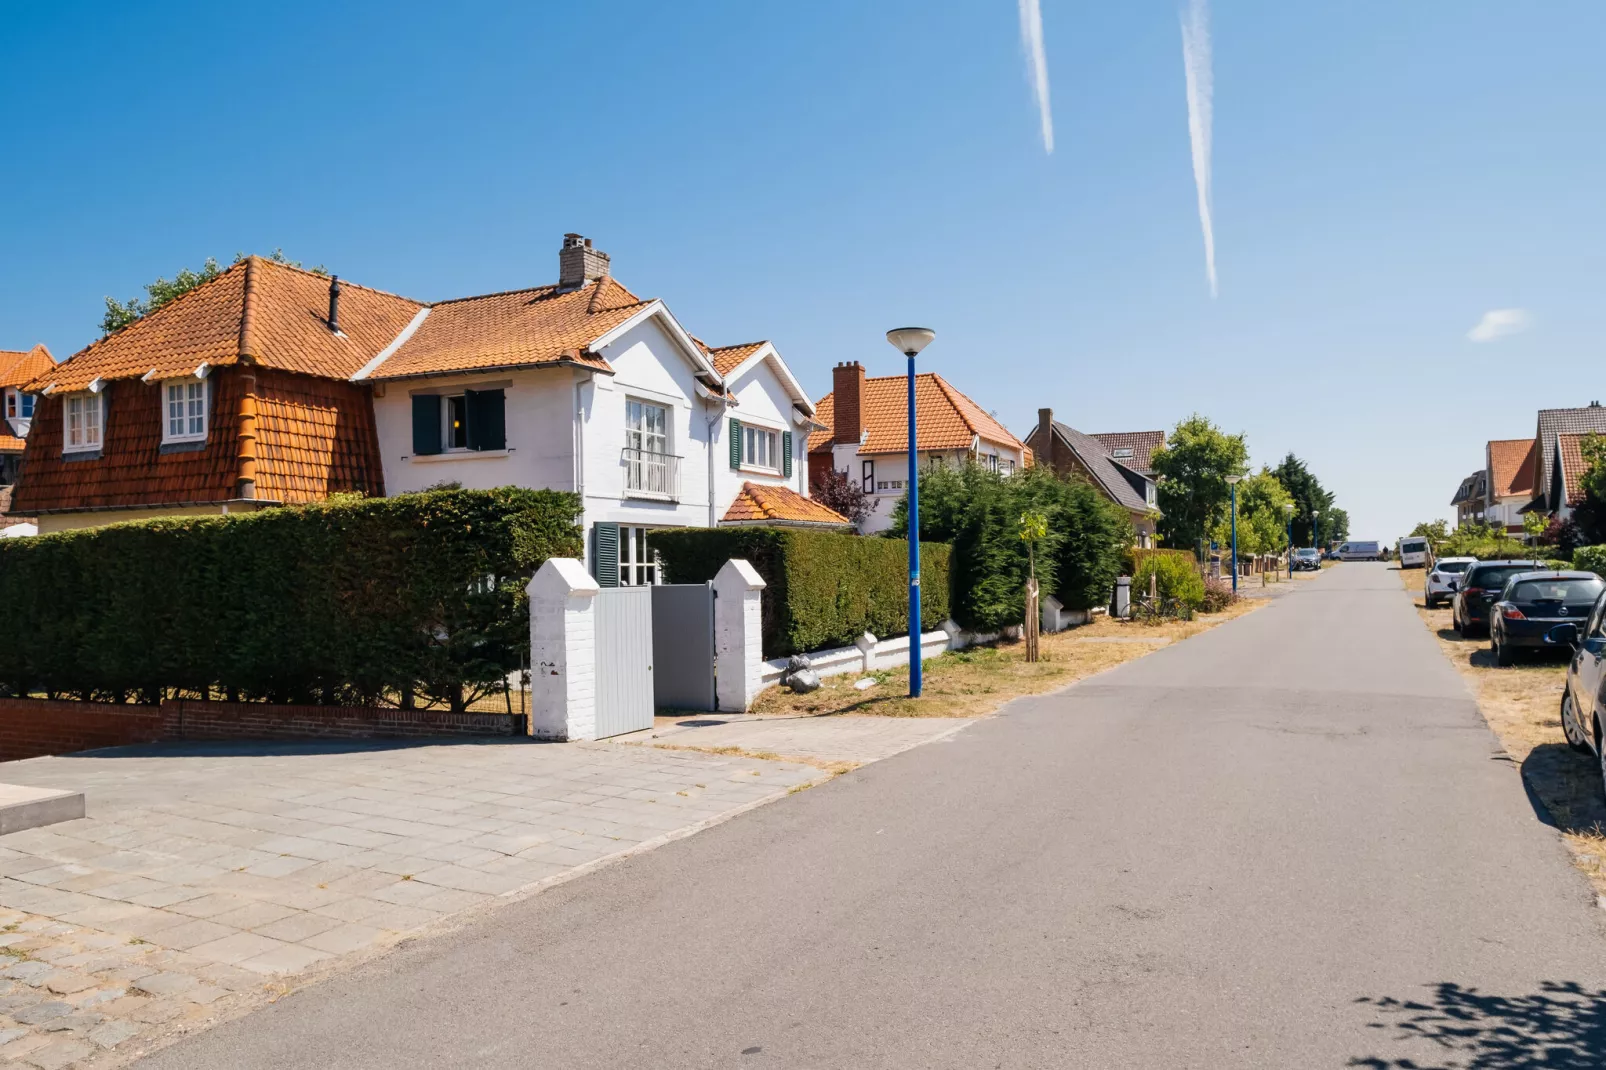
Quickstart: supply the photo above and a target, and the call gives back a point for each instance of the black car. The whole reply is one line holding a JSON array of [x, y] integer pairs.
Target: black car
[[1535, 602], [1583, 713], [1480, 589]]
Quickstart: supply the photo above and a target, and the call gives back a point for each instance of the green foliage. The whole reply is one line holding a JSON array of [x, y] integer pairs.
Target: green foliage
[[1176, 577], [346, 602], [823, 589], [1590, 559], [120, 314], [1535, 525], [1193, 467], [1485, 543], [1262, 525], [1435, 531], [1309, 497]]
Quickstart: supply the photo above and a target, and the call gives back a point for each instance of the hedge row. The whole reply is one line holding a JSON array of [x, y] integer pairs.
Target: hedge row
[[354, 601], [824, 589], [1590, 559]]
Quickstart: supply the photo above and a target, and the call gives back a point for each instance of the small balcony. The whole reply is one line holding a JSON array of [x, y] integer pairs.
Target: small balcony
[[651, 475]]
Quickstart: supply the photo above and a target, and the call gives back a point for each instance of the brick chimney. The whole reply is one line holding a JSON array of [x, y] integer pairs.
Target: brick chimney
[[579, 263], [1045, 429], [847, 401]]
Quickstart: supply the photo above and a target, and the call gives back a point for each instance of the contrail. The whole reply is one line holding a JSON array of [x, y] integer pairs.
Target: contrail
[[1196, 66], [1031, 39]]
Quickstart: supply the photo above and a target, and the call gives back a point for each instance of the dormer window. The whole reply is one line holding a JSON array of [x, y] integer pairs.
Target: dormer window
[[1122, 453], [184, 410], [27, 406], [11, 404], [82, 419]]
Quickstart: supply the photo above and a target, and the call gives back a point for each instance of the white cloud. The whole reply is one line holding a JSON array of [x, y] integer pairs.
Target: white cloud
[[1031, 39], [1499, 322], [1201, 110]]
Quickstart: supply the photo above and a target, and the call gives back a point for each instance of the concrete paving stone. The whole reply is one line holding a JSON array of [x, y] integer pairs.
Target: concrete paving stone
[[112, 1034], [251, 886], [23, 1045], [401, 893], [451, 900], [204, 994], [288, 959], [40, 1013], [279, 866], [350, 908], [191, 934], [186, 873], [355, 837], [8, 1035], [134, 971], [324, 873], [352, 936], [454, 853], [235, 948], [66, 982], [510, 843], [302, 898], [147, 925], [125, 888], [61, 1054], [91, 961], [53, 952], [526, 870], [164, 984], [82, 1022], [401, 919], [17, 1001], [158, 1011], [298, 926], [363, 882], [254, 915], [107, 915], [165, 895], [210, 905], [425, 832], [97, 997], [122, 1008], [32, 972]]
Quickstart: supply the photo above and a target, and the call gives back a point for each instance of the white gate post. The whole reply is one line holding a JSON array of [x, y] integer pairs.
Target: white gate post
[[738, 636], [563, 654]]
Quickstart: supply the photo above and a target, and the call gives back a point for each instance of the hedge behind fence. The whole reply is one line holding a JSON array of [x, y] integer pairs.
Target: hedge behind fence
[[823, 589], [347, 602]]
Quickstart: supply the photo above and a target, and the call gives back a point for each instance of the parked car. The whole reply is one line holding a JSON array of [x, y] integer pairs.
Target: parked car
[[1360, 551], [1443, 578], [1535, 602], [1413, 552], [1307, 559], [1583, 720], [1481, 589]]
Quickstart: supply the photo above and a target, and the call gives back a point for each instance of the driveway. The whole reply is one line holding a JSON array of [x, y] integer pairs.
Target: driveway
[[1289, 842]]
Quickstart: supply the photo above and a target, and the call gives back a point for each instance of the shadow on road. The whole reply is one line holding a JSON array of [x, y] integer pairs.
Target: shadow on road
[[1560, 1027]]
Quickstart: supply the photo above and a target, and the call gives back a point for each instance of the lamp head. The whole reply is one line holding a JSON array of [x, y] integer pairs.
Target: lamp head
[[910, 340], [1288, 509], [1233, 479]]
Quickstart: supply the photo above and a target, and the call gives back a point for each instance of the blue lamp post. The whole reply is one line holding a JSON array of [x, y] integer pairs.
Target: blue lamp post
[[1288, 513], [1316, 531], [910, 341], [1232, 483]]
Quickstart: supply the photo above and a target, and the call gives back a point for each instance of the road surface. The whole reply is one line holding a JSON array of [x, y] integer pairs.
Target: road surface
[[1231, 853]]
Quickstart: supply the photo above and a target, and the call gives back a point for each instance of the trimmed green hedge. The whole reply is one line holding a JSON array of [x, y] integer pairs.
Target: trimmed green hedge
[[1590, 559], [823, 589], [354, 601]]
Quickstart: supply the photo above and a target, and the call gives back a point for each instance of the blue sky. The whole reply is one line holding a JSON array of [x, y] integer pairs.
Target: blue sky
[[1384, 174]]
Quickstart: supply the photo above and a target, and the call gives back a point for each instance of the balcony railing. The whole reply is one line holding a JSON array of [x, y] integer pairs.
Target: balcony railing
[[651, 475]]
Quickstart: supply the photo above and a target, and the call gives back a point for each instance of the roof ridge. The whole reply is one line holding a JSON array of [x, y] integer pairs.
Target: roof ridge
[[344, 282], [247, 342], [948, 392], [738, 345]]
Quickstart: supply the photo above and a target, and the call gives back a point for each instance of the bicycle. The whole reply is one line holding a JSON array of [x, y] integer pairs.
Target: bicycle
[[1148, 610]]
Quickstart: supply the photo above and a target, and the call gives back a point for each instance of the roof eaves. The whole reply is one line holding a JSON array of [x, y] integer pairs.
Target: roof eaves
[[598, 366]]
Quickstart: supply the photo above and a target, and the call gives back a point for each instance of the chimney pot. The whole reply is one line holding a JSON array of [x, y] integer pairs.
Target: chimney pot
[[579, 263], [334, 303]]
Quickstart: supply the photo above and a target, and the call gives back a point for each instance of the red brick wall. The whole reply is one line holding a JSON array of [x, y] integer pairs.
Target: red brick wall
[[32, 727]]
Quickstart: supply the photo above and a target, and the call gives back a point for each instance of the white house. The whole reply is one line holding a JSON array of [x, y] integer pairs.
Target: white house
[[583, 386], [864, 434]]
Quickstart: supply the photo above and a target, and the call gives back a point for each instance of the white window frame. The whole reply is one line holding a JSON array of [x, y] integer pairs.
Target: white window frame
[[771, 440], [28, 403], [642, 437], [86, 403], [13, 404], [633, 570], [188, 416]]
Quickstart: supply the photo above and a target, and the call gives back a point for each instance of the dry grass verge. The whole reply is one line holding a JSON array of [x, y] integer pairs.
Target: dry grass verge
[[975, 682], [1522, 704]]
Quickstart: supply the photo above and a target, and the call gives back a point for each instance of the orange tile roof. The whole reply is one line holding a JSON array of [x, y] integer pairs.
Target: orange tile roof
[[20, 368], [543, 325], [727, 359], [1511, 466], [271, 312], [11, 443], [945, 418], [1572, 466], [761, 503]]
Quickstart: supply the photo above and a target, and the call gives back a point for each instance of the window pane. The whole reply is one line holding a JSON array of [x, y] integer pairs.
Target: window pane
[[456, 422], [92, 421], [27, 406]]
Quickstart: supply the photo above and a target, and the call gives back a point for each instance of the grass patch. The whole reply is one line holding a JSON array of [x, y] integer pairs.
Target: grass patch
[[1522, 704], [975, 682]]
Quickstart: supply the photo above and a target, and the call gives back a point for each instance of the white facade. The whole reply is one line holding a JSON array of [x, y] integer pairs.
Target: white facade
[[645, 447]]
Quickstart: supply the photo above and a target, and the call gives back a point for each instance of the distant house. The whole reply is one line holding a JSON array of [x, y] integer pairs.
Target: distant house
[[269, 385], [1471, 498], [18, 368], [1509, 466], [864, 434], [1133, 449], [1068, 452], [1558, 457]]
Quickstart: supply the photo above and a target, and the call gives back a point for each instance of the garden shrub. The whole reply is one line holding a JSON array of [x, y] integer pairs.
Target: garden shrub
[[1590, 559], [1176, 577], [822, 589], [1218, 594], [352, 601]]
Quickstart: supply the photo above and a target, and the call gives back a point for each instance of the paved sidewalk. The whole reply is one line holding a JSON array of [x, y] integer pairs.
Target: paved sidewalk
[[840, 741], [205, 872]]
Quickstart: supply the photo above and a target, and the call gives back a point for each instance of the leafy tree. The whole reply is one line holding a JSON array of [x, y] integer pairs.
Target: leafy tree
[[120, 314], [1334, 524], [1261, 523], [1309, 496], [835, 490], [1193, 467], [1538, 527], [1434, 531]]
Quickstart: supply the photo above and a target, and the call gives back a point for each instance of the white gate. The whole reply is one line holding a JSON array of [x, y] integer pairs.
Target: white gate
[[624, 660]]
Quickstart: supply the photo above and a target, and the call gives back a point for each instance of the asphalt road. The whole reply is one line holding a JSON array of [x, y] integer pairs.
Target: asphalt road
[[1232, 853]]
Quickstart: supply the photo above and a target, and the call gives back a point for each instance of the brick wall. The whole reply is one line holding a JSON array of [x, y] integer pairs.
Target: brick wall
[[32, 727]]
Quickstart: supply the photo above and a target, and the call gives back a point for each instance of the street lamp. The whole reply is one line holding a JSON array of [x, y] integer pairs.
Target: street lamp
[[1288, 513], [1316, 531], [1232, 482], [909, 341]]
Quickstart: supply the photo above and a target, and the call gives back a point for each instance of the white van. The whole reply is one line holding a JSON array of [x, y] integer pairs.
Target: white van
[[1413, 552], [1360, 551]]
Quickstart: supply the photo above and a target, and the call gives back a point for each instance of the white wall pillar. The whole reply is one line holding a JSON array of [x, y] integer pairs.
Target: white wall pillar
[[563, 651], [738, 636], [867, 644]]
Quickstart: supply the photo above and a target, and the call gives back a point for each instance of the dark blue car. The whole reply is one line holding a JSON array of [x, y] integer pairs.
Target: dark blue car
[[1532, 604]]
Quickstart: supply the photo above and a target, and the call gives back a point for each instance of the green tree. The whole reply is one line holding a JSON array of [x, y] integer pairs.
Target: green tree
[[1261, 523], [1335, 524], [1534, 525], [120, 314], [1193, 467], [1309, 496], [1435, 531]]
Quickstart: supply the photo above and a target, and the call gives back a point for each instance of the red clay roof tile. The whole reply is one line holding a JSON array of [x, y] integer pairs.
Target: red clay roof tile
[[945, 418], [760, 503]]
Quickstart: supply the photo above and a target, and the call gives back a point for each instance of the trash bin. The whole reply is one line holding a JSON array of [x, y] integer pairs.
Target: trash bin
[[1123, 597]]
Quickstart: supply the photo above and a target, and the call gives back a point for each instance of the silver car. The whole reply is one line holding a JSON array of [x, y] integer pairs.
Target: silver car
[[1444, 578]]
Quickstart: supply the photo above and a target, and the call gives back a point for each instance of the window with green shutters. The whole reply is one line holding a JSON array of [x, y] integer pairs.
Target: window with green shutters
[[736, 443], [426, 424], [786, 454], [473, 420], [605, 553]]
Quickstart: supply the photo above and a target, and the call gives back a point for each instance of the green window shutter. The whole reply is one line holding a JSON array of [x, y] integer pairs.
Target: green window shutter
[[605, 554], [736, 443], [487, 419], [786, 454], [426, 424]]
